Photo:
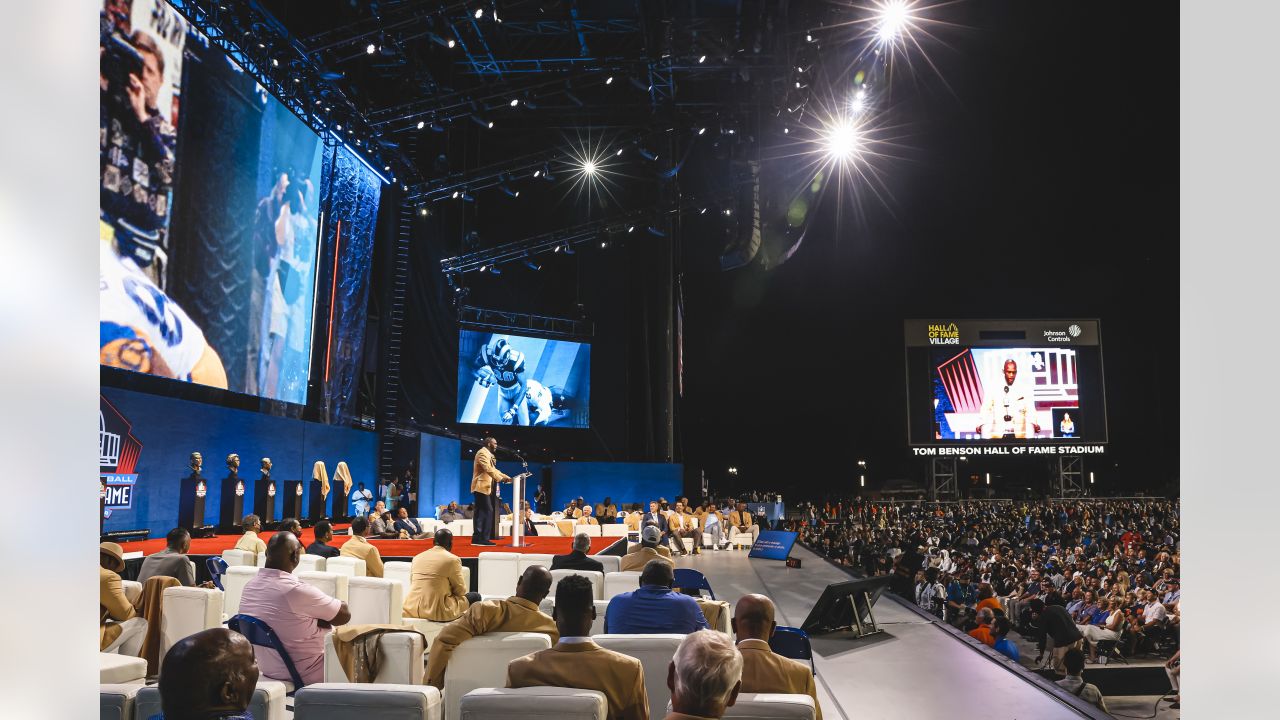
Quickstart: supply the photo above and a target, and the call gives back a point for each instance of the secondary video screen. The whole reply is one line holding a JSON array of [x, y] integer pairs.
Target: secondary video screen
[[1007, 394], [506, 379], [208, 212]]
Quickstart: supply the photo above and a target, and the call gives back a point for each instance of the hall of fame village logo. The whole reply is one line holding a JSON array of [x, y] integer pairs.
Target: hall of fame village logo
[[944, 334], [118, 453]]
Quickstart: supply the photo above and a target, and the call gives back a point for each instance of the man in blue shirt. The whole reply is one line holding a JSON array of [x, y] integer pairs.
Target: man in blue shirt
[[1000, 631], [654, 608]]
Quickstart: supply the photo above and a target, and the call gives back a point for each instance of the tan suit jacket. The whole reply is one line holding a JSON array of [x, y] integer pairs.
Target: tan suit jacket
[[588, 520], [637, 560], [632, 520], [484, 473], [610, 511], [251, 542], [663, 550], [515, 614], [359, 547], [675, 521], [112, 605], [436, 589], [741, 518], [586, 666], [764, 671], [713, 610]]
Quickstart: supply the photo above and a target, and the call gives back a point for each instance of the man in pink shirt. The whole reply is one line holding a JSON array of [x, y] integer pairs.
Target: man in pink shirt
[[299, 614]]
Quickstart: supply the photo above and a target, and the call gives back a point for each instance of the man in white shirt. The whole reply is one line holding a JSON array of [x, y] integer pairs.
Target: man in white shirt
[[361, 497], [1009, 411]]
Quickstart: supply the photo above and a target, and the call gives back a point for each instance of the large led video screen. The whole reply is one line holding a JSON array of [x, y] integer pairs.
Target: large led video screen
[[506, 379], [208, 212], [1007, 394]]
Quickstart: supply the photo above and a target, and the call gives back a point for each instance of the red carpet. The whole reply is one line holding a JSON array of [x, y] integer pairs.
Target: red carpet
[[388, 548]]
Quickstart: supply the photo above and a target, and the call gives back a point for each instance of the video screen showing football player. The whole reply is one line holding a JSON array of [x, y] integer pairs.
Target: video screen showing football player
[[499, 363]]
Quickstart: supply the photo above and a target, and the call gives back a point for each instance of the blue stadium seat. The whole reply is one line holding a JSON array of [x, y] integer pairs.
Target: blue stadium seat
[[217, 567], [792, 642], [689, 578]]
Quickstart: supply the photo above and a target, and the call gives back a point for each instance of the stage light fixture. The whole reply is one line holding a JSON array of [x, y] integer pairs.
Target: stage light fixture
[[573, 98], [468, 197], [631, 228], [702, 59], [515, 102], [490, 126], [479, 13], [452, 43], [604, 244], [536, 173], [484, 268], [421, 124], [387, 168], [568, 249], [479, 121], [728, 212], [655, 231], [619, 153], [339, 126], [275, 62], [436, 127], [842, 140], [647, 154], [506, 190], [589, 167], [546, 172], [422, 212], [370, 49], [456, 194], [495, 270], [532, 265], [892, 20], [808, 37], [608, 80], [702, 130], [702, 211]]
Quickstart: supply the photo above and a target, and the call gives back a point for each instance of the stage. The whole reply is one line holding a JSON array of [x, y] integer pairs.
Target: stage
[[387, 548], [916, 668]]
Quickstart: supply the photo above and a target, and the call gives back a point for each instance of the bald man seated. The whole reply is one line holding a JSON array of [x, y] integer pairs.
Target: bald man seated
[[300, 614], [518, 613], [210, 675], [577, 662], [763, 670], [436, 587]]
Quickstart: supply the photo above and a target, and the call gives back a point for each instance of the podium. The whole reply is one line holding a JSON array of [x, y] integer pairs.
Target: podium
[[192, 490], [517, 512], [316, 503], [293, 499], [231, 503], [264, 500]]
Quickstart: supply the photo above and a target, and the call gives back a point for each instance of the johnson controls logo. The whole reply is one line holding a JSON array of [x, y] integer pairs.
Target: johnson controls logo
[[1074, 330], [944, 334], [1063, 336]]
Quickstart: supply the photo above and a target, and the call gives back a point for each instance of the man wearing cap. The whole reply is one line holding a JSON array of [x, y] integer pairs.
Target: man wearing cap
[[647, 551], [126, 633]]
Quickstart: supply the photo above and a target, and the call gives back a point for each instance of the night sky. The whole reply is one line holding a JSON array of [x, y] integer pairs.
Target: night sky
[[1042, 183]]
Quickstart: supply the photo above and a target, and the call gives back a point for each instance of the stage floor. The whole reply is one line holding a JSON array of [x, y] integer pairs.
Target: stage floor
[[388, 548], [915, 669]]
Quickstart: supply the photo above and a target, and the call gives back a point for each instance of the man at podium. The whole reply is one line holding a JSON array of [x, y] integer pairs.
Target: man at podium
[[484, 474]]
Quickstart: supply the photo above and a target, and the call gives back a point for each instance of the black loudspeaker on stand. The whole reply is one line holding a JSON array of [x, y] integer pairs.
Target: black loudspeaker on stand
[[847, 606]]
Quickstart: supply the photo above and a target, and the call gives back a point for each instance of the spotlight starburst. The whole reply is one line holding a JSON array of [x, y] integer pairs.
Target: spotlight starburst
[[592, 168]]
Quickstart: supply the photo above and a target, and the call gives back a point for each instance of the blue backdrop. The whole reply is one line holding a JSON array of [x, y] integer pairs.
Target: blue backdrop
[[169, 430]]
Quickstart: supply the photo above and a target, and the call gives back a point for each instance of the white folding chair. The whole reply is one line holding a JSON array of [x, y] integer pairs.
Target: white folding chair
[[331, 584], [235, 557], [611, 563], [349, 566], [498, 574], [771, 706], [187, 611], [482, 661], [399, 660], [596, 578], [361, 701], [654, 652], [534, 703], [374, 600], [400, 571], [616, 583], [233, 583], [309, 563]]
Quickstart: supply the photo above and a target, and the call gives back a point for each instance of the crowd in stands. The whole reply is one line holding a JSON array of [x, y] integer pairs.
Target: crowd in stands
[[1098, 577]]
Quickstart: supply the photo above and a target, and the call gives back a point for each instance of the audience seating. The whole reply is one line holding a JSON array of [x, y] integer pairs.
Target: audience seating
[[739, 539], [429, 525], [399, 660], [596, 578], [331, 584], [375, 600], [217, 567], [654, 651], [688, 578], [591, 530], [616, 583], [400, 571], [613, 530], [362, 701], [310, 563], [481, 662], [262, 558], [349, 566], [267, 702], [132, 590], [611, 563], [117, 701], [534, 703], [771, 706], [235, 557], [187, 611], [597, 626], [461, 528], [429, 628], [524, 560], [233, 582], [792, 642], [117, 669], [260, 634], [498, 573]]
